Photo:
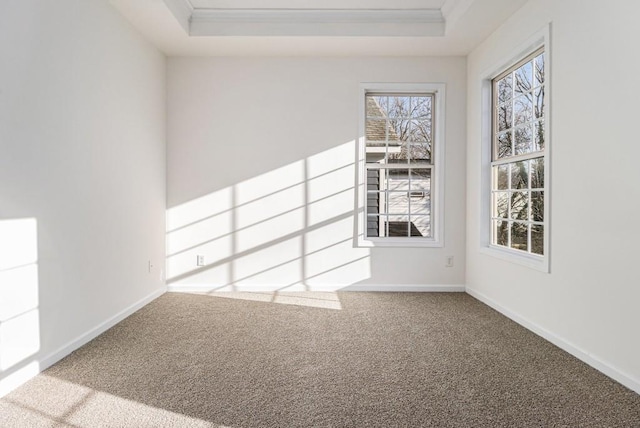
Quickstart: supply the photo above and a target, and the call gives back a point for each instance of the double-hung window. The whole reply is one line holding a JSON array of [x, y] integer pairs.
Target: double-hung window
[[400, 162], [518, 157]]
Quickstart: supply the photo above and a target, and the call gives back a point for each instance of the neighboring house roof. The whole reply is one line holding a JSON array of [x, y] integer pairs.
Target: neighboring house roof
[[376, 130]]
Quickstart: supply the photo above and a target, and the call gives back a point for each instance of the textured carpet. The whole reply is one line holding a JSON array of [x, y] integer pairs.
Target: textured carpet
[[321, 360]]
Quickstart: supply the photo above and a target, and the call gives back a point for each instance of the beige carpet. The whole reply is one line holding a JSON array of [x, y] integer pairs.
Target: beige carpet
[[323, 360]]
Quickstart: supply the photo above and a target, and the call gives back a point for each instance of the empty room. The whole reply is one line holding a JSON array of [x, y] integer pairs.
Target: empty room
[[319, 213]]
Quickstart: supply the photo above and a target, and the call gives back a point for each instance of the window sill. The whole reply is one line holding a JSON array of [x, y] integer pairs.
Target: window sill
[[539, 263], [399, 242]]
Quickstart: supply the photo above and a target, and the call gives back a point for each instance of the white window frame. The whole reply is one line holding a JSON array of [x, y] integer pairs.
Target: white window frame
[[437, 169], [533, 261]]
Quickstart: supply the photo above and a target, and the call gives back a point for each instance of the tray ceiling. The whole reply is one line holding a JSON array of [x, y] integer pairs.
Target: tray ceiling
[[316, 27]]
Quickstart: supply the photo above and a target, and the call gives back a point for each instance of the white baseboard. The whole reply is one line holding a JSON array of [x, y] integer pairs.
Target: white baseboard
[[596, 363], [425, 288], [19, 377], [417, 288]]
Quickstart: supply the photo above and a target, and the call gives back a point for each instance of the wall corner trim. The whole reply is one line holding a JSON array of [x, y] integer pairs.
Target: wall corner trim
[[602, 366]]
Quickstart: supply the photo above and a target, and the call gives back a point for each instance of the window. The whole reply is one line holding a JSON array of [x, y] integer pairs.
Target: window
[[399, 161], [518, 218]]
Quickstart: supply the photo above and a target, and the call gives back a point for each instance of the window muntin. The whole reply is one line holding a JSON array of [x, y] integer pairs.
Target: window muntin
[[518, 151], [399, 130]]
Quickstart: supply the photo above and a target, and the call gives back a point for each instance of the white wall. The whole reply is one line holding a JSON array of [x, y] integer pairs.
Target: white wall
[[589, 302], [240, 129], [82, 176]]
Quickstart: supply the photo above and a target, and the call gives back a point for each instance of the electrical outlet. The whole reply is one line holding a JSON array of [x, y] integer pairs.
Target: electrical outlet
[[449, 261], [200, 260]]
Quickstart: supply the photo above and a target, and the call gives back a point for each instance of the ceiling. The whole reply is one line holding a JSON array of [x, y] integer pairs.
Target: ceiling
[[316, 27]]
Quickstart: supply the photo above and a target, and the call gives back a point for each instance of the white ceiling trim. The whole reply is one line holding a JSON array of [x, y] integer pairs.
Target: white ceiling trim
[[182, 10], [453, 10], [317, 4], [317, 22]]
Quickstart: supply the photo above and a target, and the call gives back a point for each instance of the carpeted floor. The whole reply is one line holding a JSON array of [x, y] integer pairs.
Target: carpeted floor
[[322, 360]]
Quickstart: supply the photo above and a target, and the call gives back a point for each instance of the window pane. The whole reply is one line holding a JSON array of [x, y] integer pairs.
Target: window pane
[[537, 173], [505, 88], [398, 129], [376, 106], [376, 132], [537, 239], [397, 179], [420, 130], [504, 145], [399, 107], [520, 206], [539, 69], [539, 131], [523, 109], [539, 102], [537, 206], [520, 175], [373, 226], [375, 155], [501, 173], [421, 108], [420, 202], [420, 226], [375, 201], [501, 232], [420, 153], [399, 155], [398, 203], [524, 78], [421, 179], [523, 140], [398, 135], [373, 180], [501, 204], [398, 225], [420, 192], [505, 120], [519, 236]]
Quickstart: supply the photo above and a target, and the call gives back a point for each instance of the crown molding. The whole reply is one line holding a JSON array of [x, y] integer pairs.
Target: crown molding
[[453, 10], [355, 16], [307, 22], [182, 10], [324, 4], [317, 22]]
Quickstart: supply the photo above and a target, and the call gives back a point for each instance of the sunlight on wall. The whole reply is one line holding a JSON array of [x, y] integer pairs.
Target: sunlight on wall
[[203, 226], [333, 261], [68, 404], [270, 206], [19, 315], [287, 230]]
